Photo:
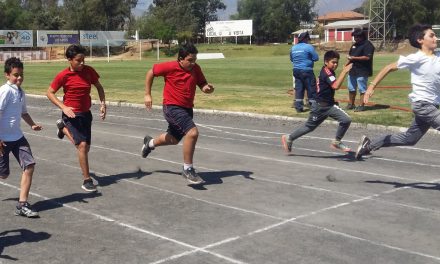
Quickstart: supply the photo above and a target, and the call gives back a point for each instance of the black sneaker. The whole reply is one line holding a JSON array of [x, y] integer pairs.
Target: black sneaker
[[60, 126], [145, 148], [89, 186], [25, 210], [363, 147], [192, 177]]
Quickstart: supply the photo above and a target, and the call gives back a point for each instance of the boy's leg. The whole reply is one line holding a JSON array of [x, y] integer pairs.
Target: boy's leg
[[189, 145], [344, 123], [343, 118], [26, 182], [316, 117], [83, 157]]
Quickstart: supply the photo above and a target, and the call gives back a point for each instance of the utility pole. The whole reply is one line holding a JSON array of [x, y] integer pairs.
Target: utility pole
[[380, 27]]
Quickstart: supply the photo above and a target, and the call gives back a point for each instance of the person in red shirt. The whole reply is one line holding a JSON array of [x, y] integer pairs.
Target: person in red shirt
[[76, 119], [181, 78]]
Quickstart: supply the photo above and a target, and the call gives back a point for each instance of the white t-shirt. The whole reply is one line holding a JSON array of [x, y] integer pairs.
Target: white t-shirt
[[12, 106], [425, 76]]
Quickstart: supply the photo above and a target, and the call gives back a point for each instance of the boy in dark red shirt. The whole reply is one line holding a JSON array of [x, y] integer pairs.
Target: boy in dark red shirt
[[181, 78], [76, 122], [325, 105]]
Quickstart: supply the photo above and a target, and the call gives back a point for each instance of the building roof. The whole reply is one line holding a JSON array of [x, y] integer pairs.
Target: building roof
[[340, 15], [301, 31], [348, 24]]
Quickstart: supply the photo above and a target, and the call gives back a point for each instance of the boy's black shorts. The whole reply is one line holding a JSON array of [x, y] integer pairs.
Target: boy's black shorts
[[80, 127], [180, 120]]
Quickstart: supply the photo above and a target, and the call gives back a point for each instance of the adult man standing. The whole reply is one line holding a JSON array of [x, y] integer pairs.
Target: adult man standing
[[361, 55], [303, 57]]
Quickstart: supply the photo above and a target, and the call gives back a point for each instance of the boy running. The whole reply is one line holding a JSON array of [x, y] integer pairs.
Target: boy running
[[12, 109], [325, 105], [76, 122], [181, 78], [424, 66]]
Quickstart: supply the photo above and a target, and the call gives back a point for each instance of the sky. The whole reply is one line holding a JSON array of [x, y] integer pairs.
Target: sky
[[322, 6]]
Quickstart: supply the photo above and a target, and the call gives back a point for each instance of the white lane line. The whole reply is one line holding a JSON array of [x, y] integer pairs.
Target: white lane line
[[254, 157], [126, 225]]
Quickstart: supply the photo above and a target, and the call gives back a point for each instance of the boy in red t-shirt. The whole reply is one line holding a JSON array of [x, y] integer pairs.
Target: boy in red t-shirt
[[76, 122], [181, 78]]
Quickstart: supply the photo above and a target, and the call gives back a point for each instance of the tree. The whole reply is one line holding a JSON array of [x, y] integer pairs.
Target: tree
[[184, 19], [274, 20], [98, 14]]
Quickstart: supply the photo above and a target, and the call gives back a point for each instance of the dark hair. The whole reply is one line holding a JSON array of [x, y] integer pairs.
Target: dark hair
[[331, 54], [185, 50], [74, 50], [417, 32], [303, 37], [12, 63], [359, 32]]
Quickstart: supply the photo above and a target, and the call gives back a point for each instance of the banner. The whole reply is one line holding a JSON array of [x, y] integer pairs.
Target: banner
[[24, 55], [99, 38], [16, 38], [57, 38], [230, 28]]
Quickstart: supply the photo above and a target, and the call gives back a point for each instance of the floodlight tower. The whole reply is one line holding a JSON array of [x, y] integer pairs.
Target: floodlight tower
[[379, 28]]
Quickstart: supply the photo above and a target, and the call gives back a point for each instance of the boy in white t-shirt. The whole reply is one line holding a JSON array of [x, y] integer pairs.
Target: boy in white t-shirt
[[12, 110], [424, 66]]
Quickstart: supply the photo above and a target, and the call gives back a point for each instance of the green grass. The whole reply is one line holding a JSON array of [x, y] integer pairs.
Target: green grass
[[251, 78]]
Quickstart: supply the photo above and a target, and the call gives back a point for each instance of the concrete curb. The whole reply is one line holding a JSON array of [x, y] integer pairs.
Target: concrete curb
[[259, 116]]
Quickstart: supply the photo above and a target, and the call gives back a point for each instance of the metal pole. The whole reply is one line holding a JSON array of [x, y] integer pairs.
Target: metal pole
[[108, 52]]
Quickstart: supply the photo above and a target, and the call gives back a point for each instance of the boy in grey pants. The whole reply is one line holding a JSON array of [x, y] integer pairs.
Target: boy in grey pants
[[325, 105], [424, 66]]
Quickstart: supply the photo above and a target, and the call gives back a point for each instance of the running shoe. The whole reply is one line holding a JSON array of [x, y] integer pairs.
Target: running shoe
[[89, 186], [146, 149], [336, 144], [192, 177], [60, 126], [363, 147], [286, 143], [25, 210]]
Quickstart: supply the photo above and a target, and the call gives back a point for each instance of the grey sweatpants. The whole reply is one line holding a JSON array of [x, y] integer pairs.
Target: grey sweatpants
[[320, 113], [426, 114]]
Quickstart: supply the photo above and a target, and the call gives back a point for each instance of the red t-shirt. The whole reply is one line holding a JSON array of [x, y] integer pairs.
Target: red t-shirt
[[180, 85], [76, 86]]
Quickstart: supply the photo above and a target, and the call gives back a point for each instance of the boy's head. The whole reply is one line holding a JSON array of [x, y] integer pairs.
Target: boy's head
[[187, 56], [418, 33], [331, 59], [14, 71], [75, 54]]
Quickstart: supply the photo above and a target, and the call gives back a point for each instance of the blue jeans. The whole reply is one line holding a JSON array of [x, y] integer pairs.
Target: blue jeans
[[305, 80], [359, 82]]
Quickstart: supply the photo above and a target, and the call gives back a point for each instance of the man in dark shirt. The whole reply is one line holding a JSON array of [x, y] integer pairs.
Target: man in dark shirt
[[361, 56]]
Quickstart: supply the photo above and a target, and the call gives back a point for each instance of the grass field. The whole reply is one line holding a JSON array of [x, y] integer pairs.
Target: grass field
[[253, 79]]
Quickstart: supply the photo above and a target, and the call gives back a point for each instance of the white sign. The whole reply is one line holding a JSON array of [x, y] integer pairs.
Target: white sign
[[16, 38], [100, 38], [230, 28]]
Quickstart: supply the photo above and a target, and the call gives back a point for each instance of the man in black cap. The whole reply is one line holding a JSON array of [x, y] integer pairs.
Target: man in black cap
[[303, 57]]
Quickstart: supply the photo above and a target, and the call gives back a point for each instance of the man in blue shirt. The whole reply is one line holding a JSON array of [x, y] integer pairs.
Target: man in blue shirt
[[303, 57]]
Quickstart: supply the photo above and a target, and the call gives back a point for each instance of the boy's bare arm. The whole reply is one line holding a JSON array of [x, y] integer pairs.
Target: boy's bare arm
[[337, 84], [68, 111], [101, 94], [208, 88], [148, 100], [28, 119], [384, 72]]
